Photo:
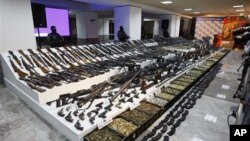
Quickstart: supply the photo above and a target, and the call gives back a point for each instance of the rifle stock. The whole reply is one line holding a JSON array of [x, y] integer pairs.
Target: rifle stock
[[125, 86], [26, 57], [54, 54], [49, 63], [15, 58], [44, 70], [17, 70]]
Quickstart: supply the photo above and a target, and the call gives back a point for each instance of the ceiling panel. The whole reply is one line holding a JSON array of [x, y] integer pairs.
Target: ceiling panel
[[213, 7]]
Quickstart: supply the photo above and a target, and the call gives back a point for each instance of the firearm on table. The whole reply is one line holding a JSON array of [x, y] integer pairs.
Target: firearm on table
[[22, 76], [89, 54], [17, 70], [68, 62], [44, 70], [57, 62], [27, 67], [68, 74], [48, 59], [15, 58], [96, 93], [31, 84], [85, 58], [125, 86], [56, 56], [46, 81], [98, 51], [46, 55], [72, 52], [37, 57], [26, 57], [64, 53], [49, 63], [81, 69], [92, 94]]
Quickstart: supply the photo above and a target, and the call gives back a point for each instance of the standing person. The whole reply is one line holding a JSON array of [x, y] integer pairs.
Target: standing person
[[122, 36], [165, 33], [54, 39]]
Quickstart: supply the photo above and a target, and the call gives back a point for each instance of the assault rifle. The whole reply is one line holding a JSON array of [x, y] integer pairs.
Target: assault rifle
[[37, 57], [17, 70], [26, 57], [32, 85], [56, 56], [125, 86], [65, 55], [95, 93], [44, 70], [15, 58], [72, 52], [86, 58], [22, 76]]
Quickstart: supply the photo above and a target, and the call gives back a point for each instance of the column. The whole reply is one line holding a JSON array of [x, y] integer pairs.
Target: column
[[130, 18], [87, 25], [103, 29], [103, 26], [174, 25], [156, 28], [16, 25]]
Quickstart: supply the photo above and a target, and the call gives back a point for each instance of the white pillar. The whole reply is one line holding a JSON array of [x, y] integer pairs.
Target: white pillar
[[103, 26], [130, 18], [16, 25], [156, 27], [87, 25], [174, 25]]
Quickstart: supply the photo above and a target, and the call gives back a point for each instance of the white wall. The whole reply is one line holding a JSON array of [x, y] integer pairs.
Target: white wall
[[130, 18], [87, 25], [16, 25], [103, 26]]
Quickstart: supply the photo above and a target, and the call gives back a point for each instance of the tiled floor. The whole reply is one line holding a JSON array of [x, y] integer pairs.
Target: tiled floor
[[19, 122], [198, 126]]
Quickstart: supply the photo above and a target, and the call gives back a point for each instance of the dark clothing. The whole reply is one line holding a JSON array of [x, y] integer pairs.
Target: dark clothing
[[122, 36], [165, 33], [55, 39]]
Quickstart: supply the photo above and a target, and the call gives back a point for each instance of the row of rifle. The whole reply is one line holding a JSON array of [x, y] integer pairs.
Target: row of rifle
[[51, 67]]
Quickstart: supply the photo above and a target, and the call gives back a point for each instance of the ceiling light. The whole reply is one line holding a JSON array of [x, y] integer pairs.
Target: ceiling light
[[237, 6], [240, 10], [166, 2], [241, 14], [196, 12], [188, 9]]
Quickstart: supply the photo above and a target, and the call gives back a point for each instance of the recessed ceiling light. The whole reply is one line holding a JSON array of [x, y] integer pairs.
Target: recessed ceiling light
[[166, 2], [240, 10], [188, 9], [237, 6], [196, 12]]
